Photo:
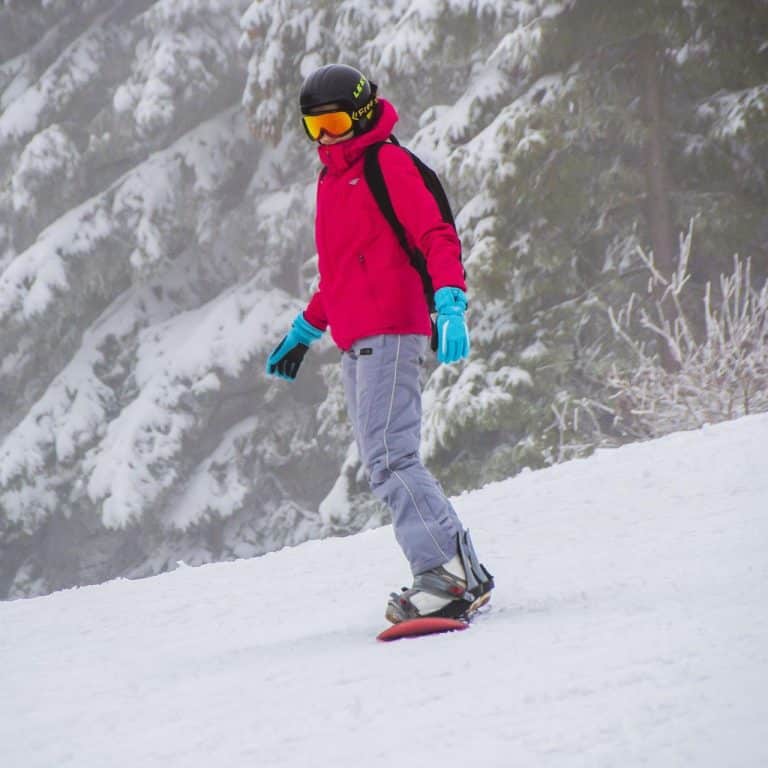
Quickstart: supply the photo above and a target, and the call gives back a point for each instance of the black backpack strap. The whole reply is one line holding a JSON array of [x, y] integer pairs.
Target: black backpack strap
[[374, 177], [433, 184]]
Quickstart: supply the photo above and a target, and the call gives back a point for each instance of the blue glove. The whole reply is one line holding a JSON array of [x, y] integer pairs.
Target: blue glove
[[286, 358], [452, 331]]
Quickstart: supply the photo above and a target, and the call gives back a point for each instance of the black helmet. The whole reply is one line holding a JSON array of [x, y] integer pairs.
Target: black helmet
[[345, 86]]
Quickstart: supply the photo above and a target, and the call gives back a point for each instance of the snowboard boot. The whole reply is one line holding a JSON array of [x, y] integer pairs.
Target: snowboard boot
[[454, 590]]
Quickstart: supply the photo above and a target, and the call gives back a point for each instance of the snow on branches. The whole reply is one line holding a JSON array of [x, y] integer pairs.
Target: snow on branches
[[720, 352]]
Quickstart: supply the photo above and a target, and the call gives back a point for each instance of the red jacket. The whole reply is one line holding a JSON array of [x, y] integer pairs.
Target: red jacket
[[367, 284]]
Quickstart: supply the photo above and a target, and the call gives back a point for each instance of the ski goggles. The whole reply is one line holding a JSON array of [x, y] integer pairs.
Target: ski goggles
[[334, 124]]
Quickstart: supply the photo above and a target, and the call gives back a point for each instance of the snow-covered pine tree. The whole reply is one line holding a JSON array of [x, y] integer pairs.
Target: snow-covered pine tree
[[566, 170], [142, 233]]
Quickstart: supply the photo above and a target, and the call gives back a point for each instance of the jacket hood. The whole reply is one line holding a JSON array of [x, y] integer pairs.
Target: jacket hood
[[339, 157]]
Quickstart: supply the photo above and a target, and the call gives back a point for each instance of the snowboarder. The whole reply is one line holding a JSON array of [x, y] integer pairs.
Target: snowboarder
[[374, 302]]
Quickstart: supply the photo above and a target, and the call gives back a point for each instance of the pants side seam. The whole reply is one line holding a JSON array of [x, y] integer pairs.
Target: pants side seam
[[386, 452]]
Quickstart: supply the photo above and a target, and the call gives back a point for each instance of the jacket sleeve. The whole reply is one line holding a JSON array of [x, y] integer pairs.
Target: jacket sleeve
[[315, 314], [417, 210]]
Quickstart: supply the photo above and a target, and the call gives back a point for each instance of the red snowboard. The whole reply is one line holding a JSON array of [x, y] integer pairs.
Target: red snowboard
[[418, 627]]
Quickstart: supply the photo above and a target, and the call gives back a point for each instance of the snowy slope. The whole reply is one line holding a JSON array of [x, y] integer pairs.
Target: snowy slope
[[629, 628]]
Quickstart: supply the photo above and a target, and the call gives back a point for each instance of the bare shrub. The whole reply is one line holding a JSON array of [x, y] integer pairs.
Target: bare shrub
[[720, 353]]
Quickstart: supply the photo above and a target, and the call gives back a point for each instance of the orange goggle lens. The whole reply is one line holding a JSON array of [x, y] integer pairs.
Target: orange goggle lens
[[335, 124]]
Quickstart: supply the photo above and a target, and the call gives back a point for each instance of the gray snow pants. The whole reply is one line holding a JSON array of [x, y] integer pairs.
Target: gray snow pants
[[383, 394]]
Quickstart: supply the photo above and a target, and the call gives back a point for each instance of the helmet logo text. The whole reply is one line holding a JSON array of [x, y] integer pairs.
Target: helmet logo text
[[359, 88]]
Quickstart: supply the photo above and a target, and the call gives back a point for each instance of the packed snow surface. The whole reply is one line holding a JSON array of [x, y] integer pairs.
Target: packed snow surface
[[629, 627]]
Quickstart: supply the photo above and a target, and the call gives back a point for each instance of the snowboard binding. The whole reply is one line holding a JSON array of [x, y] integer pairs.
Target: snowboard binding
[[457, 598]]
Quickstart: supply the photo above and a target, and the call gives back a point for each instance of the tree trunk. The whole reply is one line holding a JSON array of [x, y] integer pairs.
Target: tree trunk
[[656, 177]]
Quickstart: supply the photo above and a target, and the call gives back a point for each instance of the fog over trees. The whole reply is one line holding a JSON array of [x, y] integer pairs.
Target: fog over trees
[[607, 162]]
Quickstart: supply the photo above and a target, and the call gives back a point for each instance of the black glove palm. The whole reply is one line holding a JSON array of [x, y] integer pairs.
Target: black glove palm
[[287, 366], [286, 358]]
